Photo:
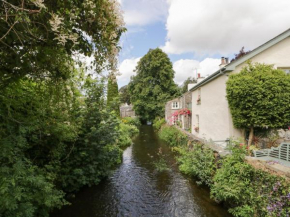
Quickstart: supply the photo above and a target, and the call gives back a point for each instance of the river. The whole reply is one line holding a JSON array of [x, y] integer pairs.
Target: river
[[136, 189]]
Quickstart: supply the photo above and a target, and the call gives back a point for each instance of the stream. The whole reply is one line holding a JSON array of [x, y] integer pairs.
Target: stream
[[136, 189]]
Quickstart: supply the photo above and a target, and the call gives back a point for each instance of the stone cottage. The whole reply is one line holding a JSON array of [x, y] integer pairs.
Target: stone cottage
[[127, 111], [178, 111]]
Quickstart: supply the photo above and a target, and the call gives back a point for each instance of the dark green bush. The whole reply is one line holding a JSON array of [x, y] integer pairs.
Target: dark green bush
[[198, 162]]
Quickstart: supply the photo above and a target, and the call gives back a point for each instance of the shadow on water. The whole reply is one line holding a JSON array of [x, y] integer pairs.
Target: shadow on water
[[136, 189]]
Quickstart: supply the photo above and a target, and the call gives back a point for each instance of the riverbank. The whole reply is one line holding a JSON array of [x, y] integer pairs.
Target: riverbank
[[247, 191], [136, 188]]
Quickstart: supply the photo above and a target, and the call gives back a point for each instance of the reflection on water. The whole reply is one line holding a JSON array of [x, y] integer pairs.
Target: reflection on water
[[136, 189]]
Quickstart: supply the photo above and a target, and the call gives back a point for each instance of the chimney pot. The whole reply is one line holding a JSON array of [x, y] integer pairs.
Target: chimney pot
[[227, 60], [198, 75], [222, 60]]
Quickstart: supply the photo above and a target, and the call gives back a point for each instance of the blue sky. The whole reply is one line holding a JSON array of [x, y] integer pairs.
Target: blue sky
[[196, 33]]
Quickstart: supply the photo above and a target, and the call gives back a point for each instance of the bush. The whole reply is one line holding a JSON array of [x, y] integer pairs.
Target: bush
[[198, 162], [250, 192], [131, 121], [126, 133], [173, 136], [158, 123]]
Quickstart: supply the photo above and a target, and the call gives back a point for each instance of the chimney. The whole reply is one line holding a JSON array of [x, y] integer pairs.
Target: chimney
[[224, 61], [227, 60], [198, 75]]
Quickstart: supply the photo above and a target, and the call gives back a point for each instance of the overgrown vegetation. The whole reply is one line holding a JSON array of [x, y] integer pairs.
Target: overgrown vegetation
[[56, 132], [132, 121], [173, 136], [244, 189], [158, 123]]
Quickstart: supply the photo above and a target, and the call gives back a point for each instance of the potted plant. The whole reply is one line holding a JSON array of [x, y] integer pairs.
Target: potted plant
[[198, 101]]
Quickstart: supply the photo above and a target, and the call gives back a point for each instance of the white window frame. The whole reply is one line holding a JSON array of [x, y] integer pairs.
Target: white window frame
[[175, 105]]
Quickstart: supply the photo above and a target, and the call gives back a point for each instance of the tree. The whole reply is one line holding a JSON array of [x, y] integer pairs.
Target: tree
[[240, 54], [184, 86], [124, 95], [259, 97], [113, 95], [37, 38], [153, 85]]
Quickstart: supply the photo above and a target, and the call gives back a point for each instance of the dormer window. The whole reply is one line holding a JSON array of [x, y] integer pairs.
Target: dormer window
[[175, 105]]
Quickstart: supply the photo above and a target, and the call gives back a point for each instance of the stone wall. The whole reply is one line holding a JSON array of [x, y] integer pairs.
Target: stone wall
[[184, 102]]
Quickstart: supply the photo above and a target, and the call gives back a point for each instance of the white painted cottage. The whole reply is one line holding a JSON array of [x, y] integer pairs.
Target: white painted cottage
[[211, 117]]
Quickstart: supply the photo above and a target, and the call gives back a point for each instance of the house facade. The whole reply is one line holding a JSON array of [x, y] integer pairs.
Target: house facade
[[127, 111], [211, 117], [178, 111]]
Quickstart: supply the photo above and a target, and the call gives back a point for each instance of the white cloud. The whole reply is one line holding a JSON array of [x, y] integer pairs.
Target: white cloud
[[209, 27], [143, 12], [185, 68], [126, 69]]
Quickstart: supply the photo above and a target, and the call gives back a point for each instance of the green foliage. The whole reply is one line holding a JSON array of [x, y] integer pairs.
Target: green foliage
[[113, 96], [173, 136], [127, 131], [249, 192], [259, 96], [53, 139], [153, 85], [245, 190], [124, 95], [184, 86], [198, 161], [158, 123], [38, 38], [132, 121]]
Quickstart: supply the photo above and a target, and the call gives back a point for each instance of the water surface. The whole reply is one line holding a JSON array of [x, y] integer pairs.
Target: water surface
[[136, 189]]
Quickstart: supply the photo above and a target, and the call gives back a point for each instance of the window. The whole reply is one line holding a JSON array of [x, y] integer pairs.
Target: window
[[175, 105], [198, 101], [285, 69]]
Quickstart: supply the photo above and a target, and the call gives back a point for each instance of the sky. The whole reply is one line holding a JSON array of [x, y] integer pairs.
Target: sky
[[195, 34]]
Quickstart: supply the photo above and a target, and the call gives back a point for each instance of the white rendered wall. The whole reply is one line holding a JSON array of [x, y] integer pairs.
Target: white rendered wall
[[215, 121]]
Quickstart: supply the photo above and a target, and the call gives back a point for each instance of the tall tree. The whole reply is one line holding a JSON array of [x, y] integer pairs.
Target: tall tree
[[259, 97], [188, 81], [124, 95], [113, 95], [153, 85]]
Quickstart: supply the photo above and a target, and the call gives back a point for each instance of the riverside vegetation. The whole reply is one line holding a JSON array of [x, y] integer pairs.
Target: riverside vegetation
[[57, 132], [245, 190]]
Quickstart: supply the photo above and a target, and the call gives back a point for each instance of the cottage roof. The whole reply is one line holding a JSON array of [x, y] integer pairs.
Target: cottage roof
[[231, 66]]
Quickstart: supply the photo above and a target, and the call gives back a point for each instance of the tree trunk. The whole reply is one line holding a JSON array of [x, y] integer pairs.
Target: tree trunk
[[251, 136]]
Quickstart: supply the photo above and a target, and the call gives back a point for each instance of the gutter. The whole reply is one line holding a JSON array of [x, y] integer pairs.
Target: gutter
[[209, 78]]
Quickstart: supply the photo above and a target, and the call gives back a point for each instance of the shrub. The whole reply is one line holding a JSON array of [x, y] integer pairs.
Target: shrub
[[126, 133], [173, 136], [158, 123], [198, 162], [250, 192], [131, 121]]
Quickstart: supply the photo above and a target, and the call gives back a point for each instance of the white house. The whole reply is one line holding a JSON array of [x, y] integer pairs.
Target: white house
[[211, 117]]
